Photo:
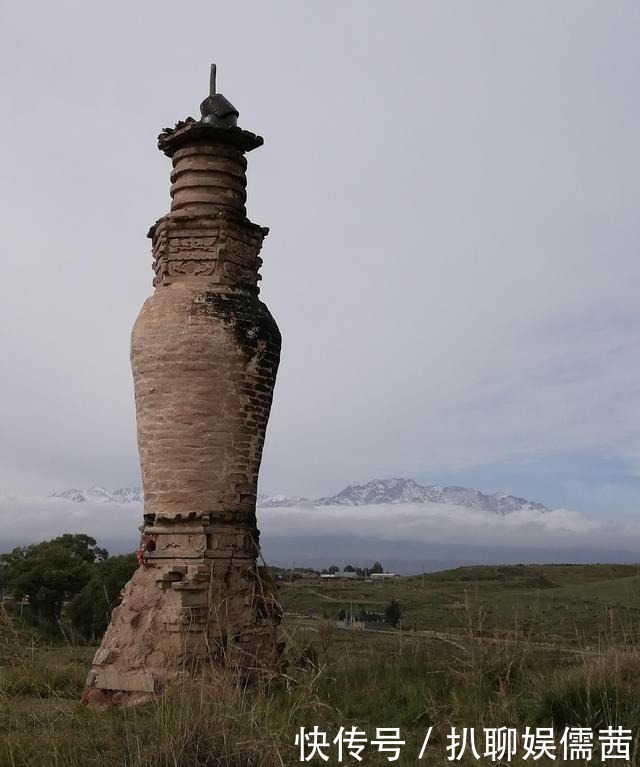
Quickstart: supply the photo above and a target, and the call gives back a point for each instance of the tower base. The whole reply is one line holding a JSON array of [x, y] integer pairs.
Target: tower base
[[188, 608]]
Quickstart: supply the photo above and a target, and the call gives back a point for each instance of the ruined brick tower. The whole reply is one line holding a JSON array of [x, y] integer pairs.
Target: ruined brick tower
[[204, 353]]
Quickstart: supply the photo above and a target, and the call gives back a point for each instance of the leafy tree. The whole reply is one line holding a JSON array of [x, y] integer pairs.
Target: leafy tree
[[334, 569], [83, 546], [376, 567], [349, 569], [392, 614], [50, 572], [90, 609]]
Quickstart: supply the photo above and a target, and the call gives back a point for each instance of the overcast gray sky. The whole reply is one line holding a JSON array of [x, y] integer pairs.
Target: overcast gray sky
[[452, 191]]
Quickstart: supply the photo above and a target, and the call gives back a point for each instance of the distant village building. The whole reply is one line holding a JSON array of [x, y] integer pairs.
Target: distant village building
[[344, 575]]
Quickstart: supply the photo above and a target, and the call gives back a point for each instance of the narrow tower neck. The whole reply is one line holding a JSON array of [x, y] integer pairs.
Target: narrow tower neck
[[209, 179]]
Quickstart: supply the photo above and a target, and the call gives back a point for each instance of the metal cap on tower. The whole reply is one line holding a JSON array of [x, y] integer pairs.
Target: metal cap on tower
[[216, 109]]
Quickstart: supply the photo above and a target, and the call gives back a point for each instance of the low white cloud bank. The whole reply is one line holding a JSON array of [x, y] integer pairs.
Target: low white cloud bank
[[28, 519], [439, 523]]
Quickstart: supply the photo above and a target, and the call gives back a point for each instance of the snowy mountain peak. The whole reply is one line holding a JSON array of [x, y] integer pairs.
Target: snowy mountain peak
[[377, 491], [100, 495], [282, 501], [71, 495], [399, 490], [128, 495]]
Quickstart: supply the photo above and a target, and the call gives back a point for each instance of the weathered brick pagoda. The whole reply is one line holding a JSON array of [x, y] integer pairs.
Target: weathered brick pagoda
[[204, 353]]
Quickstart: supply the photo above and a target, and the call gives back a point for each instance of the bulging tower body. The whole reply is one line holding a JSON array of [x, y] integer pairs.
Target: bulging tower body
[[204, 354]]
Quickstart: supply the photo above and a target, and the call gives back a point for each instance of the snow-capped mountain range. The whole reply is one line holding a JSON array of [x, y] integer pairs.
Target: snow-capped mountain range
[[409, 491], [378, 491], [100, 495]]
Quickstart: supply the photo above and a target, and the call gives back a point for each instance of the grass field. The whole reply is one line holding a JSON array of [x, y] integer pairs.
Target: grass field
[[565, 603], [479, 647]]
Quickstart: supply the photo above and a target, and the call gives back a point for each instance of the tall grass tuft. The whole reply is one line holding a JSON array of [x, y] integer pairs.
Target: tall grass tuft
[[600, 691]]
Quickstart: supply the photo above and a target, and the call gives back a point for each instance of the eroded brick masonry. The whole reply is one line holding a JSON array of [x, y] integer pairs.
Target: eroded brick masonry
[[204, 354]]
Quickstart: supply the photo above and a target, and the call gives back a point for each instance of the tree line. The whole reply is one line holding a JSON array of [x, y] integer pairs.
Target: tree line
[[70, 572], [376, 567]]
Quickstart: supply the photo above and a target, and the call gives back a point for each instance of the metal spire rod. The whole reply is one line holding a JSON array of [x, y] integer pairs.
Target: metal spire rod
[[212, 81]]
